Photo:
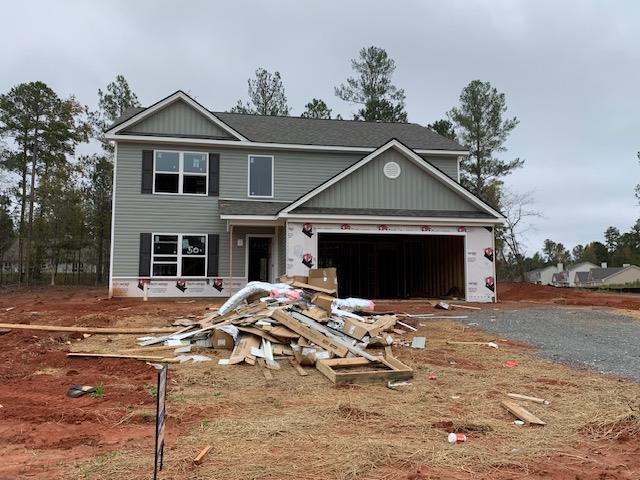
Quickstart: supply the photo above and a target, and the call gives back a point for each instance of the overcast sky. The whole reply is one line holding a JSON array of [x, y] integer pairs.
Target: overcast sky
[[570, 72]]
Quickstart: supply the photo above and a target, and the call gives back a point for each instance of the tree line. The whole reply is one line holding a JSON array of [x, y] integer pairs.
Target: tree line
[[58, 206]]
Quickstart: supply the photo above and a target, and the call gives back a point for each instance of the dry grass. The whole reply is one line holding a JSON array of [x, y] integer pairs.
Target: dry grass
[[304, 427]]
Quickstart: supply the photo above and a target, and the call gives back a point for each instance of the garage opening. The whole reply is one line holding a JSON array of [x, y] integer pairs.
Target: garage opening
[[395, 266]]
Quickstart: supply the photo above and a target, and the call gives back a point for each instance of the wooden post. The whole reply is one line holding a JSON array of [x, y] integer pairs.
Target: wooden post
[[231, 260], [145, 289]]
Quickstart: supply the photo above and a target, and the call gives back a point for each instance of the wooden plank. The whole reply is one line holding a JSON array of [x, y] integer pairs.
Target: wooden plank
[[467, 343], [4, 330], [388, 352], [243, 348], [527, 398], [198, 460], [311, 335], [469, 307], [263, 368], [95, 330], [521, 413], [144, 358], [301, 371]]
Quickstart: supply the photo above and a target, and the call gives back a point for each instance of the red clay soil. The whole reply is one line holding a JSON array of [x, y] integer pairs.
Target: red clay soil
[[39, 424], [528, 292], [42, 430]]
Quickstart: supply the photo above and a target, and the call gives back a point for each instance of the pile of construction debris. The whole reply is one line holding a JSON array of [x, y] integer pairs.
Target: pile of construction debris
[[300, 320]]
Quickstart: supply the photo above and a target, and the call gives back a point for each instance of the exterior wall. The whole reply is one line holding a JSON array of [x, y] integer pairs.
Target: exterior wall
[[628, 275], [302, 250], [546, 275], [179, 119], [368, 187], [584, 267], [447, 163]]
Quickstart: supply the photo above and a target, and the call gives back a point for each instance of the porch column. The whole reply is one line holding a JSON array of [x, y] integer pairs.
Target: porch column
[[230, 259]]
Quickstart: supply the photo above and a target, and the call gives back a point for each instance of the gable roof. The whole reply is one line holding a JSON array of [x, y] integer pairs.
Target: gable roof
[[343, 133], [303, 131], [598, 274], [137, 115], [578, 265], [581, 277], [409, 154]]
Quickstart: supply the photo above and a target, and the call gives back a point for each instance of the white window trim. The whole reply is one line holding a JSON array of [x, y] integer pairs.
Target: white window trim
[[181, 173], [178, 255], [273, 176]]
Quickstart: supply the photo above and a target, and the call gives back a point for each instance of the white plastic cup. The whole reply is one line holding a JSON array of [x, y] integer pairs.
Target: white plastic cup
[[456, 438]]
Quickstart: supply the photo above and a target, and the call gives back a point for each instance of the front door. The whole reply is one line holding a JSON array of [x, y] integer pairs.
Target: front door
[[259, 259]]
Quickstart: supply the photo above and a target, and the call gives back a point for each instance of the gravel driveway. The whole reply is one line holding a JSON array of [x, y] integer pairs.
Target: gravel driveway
[[597, 339]]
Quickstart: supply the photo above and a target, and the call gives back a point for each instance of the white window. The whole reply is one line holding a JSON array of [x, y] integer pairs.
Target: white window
[[180, 172], [260, 181], [179, 255]]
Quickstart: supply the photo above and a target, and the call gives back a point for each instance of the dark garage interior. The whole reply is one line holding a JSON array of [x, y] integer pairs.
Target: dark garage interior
[[394, 266]]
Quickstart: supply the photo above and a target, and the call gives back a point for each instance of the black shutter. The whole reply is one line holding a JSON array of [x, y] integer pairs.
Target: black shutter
[[144, 269], [213, 255], [214, 175], [147, 171]]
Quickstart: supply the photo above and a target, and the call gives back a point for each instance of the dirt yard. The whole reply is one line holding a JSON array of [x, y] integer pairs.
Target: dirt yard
[[294, 427]]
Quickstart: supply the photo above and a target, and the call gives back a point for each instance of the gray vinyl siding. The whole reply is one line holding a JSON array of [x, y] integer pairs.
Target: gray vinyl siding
[[368, 187], [448, 164], [296, 173], [178, 119]]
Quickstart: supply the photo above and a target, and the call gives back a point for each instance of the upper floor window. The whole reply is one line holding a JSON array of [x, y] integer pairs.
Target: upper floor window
[[260, 182], [180, 172]]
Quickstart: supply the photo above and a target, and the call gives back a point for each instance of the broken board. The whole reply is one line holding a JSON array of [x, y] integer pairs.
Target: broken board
[[521, 413], [353, 370]]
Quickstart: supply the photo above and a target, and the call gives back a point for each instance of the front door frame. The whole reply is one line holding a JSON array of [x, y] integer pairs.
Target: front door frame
[[273, 254]]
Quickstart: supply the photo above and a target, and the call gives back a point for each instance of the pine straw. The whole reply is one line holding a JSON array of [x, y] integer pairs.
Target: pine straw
[[304, 427]]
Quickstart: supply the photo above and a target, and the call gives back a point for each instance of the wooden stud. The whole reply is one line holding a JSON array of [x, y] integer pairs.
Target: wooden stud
[[198, 460], [527, 398], [144, 358], [521, 413], [96, 330], [263, 368], [301, 371]]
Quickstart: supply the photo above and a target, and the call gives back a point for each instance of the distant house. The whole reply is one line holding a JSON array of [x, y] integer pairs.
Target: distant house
[[604, 275], [544, 275], [567, 278]]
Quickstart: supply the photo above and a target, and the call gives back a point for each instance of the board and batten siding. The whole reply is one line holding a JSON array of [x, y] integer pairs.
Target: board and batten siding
[[368, 187], [448, 164], [179, 119]]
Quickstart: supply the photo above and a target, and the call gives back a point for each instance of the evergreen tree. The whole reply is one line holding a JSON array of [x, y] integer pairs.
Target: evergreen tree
[[482, 128], [444, 128], [371, 88], [266, 95], [316, 108]]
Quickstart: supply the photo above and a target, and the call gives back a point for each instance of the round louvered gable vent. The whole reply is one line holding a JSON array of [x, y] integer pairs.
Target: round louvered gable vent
[[391, 170]]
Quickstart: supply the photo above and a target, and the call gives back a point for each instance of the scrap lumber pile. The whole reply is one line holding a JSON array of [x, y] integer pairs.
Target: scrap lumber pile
[[299, 320]]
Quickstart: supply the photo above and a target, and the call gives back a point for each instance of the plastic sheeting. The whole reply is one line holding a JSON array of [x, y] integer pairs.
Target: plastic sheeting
[[250, 289], [350, 304]]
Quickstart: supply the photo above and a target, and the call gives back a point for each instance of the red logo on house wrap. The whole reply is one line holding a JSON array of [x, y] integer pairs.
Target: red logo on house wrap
[[307, 260], [345, 226], [462, 229], [383, 227], [426, 228], [490, 283], [217, 284], [488, 253]]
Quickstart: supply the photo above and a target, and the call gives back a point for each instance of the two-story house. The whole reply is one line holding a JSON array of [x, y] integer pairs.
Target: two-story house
[[206, 201]]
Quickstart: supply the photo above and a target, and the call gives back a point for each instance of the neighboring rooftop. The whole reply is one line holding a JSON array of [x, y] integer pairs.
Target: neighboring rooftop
[[601, 273], [250, 207], [310, 131]]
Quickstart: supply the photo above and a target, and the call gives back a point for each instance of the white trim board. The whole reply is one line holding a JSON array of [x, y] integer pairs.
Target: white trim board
[[411, 155], [262, 145], [177, 96], [113, 218]]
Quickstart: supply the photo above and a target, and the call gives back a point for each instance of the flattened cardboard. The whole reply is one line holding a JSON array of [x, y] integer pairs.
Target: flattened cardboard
[[222, 340], [323, 301], [323, 278]]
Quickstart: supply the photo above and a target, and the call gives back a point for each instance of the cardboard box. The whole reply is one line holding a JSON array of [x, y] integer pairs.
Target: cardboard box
[[222, 340], [356, 329], [294, 278], [323, 278], [323, 301]]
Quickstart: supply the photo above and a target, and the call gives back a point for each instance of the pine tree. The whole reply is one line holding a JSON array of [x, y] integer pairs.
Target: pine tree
[[266, 95]]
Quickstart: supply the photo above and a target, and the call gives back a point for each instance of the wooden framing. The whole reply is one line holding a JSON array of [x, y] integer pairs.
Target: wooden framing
[[400, 371]]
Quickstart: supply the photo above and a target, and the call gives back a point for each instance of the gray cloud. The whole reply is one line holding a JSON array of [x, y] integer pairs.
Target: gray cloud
[[570, 70]]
